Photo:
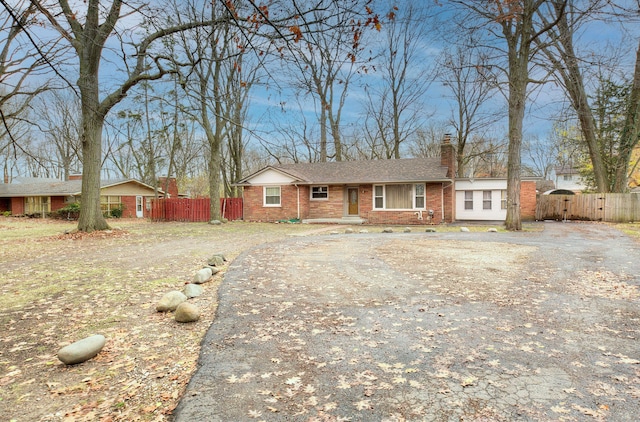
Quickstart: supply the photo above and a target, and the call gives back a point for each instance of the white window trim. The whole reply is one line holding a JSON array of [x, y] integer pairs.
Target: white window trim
[[467, 201], [413, 197], [264, 197], [318, 199], [490, 200]]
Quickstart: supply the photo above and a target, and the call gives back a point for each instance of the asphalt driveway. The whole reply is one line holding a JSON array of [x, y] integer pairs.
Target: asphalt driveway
[[426, 327]]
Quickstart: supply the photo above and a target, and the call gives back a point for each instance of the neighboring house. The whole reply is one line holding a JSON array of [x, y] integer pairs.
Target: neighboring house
[[486, 199], [35, 196], [568, 178], [400, 191]]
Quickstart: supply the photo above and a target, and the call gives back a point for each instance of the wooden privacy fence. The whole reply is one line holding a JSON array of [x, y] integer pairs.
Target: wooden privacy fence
[[612, 207], [194, 210]]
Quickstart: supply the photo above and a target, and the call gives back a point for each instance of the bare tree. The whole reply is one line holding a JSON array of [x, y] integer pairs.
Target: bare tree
[[60, 122], [516, 23], [22, 77], [326, 62], [610, 163], [467, 74], [394, 107]]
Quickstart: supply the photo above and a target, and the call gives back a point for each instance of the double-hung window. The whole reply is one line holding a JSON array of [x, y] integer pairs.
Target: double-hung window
[[399, 197], [319, 192], [486, 199], [503, 199], [272, 196], [468, 200]]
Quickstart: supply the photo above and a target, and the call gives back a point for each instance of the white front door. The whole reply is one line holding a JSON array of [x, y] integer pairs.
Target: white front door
[[139, 209]]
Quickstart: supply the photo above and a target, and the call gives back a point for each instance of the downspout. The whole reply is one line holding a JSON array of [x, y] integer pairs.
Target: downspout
[[450, 185], [298, 199]]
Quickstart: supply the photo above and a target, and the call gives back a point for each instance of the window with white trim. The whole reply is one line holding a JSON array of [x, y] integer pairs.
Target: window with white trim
[[399, 197], [486, 199], [503, 199], [272, 196], [378, 197], [468, 200], [319, 192]]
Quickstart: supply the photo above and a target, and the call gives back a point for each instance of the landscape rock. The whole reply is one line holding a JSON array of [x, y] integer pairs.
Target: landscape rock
[[202, 275], [82, 350], [334, 232], [492, 230], [216, 260], [170, 301], [192, 290], [187, 312], [387, 230], [349, 230], [465, 229], [215, 222], [214, 270], [364, 231], [430, 230], [407, 229]]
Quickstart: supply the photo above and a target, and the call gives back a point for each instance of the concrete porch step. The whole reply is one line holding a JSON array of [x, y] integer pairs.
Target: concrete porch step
[[343, 220]]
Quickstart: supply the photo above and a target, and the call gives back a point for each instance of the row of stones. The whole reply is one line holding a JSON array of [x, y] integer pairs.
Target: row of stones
[[408, 230], [177, 301], [89, 347]]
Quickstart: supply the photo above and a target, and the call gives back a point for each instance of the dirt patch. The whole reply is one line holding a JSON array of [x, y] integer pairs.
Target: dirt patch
[[56, 288]]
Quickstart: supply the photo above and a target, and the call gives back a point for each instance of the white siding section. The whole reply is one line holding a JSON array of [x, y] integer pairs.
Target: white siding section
[[271, 177], [478, 187]]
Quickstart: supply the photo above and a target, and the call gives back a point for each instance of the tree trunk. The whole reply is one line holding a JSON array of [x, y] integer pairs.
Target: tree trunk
[[91, 217], [630, 133], [569, 70]]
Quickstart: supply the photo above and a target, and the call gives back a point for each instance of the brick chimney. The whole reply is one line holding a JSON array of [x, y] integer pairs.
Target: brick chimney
[[448, 156], [170, 189]]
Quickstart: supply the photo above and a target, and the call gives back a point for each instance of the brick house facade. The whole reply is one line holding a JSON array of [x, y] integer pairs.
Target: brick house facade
[[401, 191], [35, 196]]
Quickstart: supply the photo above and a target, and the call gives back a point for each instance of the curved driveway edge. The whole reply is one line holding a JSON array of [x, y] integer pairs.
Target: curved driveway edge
[[426, 327]]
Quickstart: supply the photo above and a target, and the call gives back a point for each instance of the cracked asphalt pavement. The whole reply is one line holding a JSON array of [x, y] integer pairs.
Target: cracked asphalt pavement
[[531, 326]]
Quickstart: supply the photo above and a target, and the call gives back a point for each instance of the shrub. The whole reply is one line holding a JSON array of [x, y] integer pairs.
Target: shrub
[[70, 211], [116, 212]]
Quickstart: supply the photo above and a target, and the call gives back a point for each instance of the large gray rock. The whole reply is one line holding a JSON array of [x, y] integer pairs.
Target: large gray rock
[[216, 260], [81, 350], [192, 290], [202, 275], [407, 230], [170, 301], [492, 230], [464, 229], [187, 312], [387, 230], [430, 230]]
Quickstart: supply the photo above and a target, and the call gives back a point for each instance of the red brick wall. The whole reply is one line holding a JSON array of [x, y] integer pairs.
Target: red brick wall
[[434, 202], [333, 207], [17, 206], [528, 200], [57, 202], [129, 206], [254, 210]]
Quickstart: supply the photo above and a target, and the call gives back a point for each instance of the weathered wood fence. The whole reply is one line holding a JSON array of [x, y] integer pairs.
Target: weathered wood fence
[[612, 207], [194, 210]]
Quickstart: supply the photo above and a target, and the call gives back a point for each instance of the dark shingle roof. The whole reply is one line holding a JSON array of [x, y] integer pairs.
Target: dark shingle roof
[[374, 171], [50, 187]]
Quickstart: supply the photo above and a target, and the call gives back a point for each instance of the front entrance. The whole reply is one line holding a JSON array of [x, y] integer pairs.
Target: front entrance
[[352, 197], [139, 209]]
